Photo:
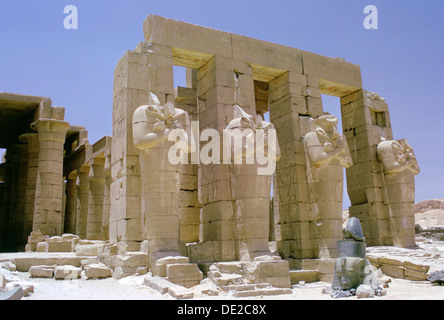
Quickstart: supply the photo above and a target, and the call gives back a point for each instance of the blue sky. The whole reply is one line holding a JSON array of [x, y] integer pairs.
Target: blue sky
[[403, 60]]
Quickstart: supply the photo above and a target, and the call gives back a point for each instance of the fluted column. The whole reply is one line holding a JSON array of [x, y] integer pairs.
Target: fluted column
[[49, 191]]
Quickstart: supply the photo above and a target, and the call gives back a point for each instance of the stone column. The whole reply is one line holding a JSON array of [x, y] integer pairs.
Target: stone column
[[221, 83], [31, 139], [327, 154], [48, 206], [148, 68], [71, 203], [82, 201], [96, 197], [400, 167], [291, 97], [107, 197], [4, 205], [17, 155], [366, 122]]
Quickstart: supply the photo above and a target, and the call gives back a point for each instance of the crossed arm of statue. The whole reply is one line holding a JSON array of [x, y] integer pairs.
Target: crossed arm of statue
[[153, 125], [397, 156]]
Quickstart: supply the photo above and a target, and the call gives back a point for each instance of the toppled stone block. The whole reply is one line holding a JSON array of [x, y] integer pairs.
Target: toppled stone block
[[8, 265], [179, 292], [133, 259], [97, 271], [23, 264], [274, 272], [42, 271], [159, 264], [122, 272], [88, 249], [14, 294], [67, 272], [226, 273], [185, 274], [87, 261], [27, 287], [157, 283]]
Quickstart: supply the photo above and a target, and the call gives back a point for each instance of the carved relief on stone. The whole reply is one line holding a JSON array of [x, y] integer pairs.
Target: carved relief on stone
[[397, 156]]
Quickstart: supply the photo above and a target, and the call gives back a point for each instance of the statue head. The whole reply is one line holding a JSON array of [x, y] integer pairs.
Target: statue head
[[397, 156], [349, 273]]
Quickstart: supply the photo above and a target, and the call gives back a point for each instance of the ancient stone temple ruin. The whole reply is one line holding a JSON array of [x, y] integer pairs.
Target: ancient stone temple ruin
[[203, 215]]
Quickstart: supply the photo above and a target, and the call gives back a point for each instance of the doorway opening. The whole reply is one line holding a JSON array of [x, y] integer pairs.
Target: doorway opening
[[332, 105]]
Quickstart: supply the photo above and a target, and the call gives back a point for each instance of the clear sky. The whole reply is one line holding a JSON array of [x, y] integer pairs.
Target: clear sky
[[403, 60]]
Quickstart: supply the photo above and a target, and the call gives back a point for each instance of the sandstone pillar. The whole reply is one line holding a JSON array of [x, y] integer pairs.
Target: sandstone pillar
[[82, 201], [31, 139], [291, 97], [221, 83], [48, 207], [366, 123], [96, 197], [4, 205], [107, 197], [251, 182], [148, 68], [71, 203], [17, 156], [400, 167], [327, 154]]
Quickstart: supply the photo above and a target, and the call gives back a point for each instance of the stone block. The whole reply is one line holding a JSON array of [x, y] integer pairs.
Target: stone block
[[415, 275], [97, 271], [133, 259], [303, 275], [27, 287], [179, 292], [88, 249], [42, 271], [159, 264], [157, 283], [122, 272], [59, 246], [67, 272], [274, 272], [393, 271], [184, 274]]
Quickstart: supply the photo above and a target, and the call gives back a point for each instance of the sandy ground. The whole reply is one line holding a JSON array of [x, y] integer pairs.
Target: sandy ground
[[132, 288]]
